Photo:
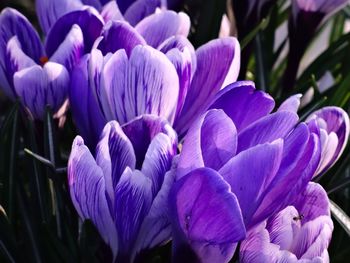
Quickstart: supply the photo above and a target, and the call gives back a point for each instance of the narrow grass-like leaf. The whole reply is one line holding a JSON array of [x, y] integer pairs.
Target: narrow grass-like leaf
[[342, 218], [249, 38]]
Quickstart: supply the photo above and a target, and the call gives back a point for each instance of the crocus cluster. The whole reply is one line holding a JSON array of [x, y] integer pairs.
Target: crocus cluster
[[171, 146]]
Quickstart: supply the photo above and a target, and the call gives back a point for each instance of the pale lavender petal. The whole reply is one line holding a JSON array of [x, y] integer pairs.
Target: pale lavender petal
[[15, 60], [148, 84], [158, 160], [49, 11], [313, 202], [88, 192], [71, 50], [206, 218], [142, 130], [124, 4], [158, 27], [210, 142], [248, 174], [332, 120], [217, 65], [313, 238], [291, 104], [40, 86], [267, 129], [243, 103], [114, 153], [87, 115], [119, 35], [140, 9], [14, 23], [89, 21], [133, 197], [110, 11]]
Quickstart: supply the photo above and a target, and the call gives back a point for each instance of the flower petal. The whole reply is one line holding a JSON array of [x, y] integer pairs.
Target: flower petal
[[133, 197], [158, 27], [210, 142], [248, 174], [86, 113], [148, 84], [89, 21], [71, 50], [140, 9], [15, 60], [291, 104], [267, 129], [38, 87], [158, 160], [156, 228], [13, 23], [87, 190], [206, 218], [217, 65], [110, 12], [332, 120], [243, 103], [119, 35], [114, 153], [50, 11], [142, 130]]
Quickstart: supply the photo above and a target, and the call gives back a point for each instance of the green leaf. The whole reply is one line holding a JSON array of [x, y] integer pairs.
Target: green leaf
[[7, 241], [342, 218], [261, 26]]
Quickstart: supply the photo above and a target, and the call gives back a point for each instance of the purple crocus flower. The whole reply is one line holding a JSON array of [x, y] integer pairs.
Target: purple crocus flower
[[299, 233], [259, 154], [124, 189], [306, 16], [125, 77], [27, 71]]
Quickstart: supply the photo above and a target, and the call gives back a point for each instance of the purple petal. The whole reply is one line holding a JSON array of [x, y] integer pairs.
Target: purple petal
[[86, 113], [97, 82], [333, 120], [14, 23], [313, 202], [243, 103], [89, 22], [217, 64], [49, 11], [295, 179], [267, 129], [15, 60], [248, 174], [158, 27], [183, 65], [142, 130], [206, 218], [148, 84], [158, 160], [156, 228], [38, 87], [71, 49], [88, 193], [291, 104], [114, 154], [210, 142], [110, 11], [140, 9], [124, 5], [133, 197], [119, 35]]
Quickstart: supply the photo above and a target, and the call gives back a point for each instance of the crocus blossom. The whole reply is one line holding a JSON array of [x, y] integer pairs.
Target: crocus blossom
[[27, 71], [128, 78], [124, 189], [299, 233], [259, 154]]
